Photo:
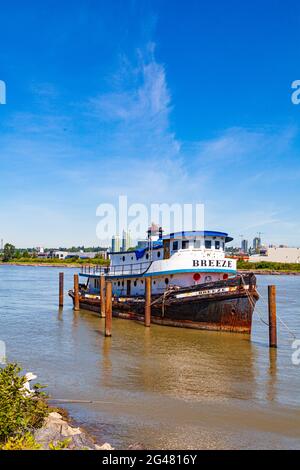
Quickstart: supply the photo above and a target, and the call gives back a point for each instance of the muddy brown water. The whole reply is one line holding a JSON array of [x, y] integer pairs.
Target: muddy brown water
[[164, 387]]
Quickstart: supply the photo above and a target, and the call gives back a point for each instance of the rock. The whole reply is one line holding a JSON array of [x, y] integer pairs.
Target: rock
[[105, 446], [55, 429], [55, 415]]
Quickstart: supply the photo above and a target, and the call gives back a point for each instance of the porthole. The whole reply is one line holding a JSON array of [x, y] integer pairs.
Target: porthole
[[154, 282], [158, 254]]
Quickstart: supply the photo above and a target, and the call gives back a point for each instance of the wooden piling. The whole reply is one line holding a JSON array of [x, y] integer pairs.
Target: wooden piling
[[61, 289], [108, 308], [148, 301], [272, 317], [102, 295], [76, 292]]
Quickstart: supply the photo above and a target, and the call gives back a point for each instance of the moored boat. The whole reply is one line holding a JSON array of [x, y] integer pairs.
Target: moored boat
[[194, 285]]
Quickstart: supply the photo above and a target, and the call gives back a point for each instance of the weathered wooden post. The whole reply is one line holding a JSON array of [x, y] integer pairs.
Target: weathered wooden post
[[76, 292], [61, 289], [148, 301], [102, 295], [272, 317], [108, 308]]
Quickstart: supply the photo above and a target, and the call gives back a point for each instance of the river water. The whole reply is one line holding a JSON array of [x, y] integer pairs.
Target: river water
[[164, 387]]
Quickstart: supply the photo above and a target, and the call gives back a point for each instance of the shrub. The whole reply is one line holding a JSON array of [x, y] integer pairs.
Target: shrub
[[19, 413], [25, 442]]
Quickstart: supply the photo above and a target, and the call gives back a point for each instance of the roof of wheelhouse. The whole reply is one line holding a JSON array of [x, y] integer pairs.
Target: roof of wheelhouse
[[198, 233], [177, 235]]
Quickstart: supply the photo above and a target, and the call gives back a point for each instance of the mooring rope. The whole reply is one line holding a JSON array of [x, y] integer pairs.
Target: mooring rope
[[257, 310]]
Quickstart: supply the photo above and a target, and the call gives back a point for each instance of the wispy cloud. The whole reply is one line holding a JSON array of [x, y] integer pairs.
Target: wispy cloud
[[126, 146]]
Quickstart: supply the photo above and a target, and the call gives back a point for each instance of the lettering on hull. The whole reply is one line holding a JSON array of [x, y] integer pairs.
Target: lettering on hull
[[213, 263]]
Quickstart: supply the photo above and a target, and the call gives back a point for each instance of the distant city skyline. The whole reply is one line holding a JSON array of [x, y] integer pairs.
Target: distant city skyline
[[165, 102]]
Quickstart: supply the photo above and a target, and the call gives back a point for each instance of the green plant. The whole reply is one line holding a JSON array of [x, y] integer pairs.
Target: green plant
[[267, 265], [8, 252], [25, 442], [19, 413], [60, 445]]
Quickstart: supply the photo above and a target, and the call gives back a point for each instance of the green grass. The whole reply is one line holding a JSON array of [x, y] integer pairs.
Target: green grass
[[56, 261], [268, 266]]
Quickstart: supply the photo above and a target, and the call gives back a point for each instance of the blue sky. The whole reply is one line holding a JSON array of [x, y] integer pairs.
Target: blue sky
[[162, 101]]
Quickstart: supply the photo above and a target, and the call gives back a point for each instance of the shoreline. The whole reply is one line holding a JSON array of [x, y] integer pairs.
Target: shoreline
[[269, 272], [266, 271], [59, 431], [46, 265]]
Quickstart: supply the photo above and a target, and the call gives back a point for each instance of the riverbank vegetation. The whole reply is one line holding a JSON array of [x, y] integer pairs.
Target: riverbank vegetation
[[20, 413], [74, 261], [268, 266], [11, 255]]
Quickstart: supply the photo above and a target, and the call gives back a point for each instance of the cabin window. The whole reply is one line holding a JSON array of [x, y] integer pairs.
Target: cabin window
[[123, 258], [166, 281], [175, 246], [208, 244], [197, 243], [217, 245], [142, 282], [134, 283], [185, 244], [158, 254], [119, 283], [147, 256]]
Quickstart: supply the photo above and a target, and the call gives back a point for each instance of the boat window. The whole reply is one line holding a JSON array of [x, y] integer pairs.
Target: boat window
[[197, 243], [134, 283], [223, 245], [147, 256], [208, 244], [118, 283], [175, 246], [123, 258], [185, 244], [166, 281], [217, 245], [158, 254]]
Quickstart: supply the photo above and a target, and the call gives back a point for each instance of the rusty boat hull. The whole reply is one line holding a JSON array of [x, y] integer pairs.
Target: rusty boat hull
[[218, 306]]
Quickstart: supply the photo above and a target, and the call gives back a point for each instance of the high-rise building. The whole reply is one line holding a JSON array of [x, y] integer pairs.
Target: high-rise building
[[128, 240], [115, 243], [124, 241], [244, 246], [256, 244]]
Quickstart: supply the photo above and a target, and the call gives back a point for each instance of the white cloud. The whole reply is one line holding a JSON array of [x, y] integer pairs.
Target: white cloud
[[128, 147]]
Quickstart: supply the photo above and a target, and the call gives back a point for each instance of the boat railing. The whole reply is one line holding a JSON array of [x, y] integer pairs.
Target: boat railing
[[118, 270]]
